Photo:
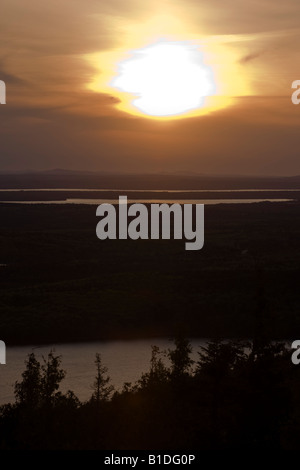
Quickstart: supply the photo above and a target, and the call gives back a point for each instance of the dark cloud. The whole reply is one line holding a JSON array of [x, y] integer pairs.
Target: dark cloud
[[250, 57], [9, 78]]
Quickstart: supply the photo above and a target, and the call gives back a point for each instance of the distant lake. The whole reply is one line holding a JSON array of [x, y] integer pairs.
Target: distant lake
[[102, 196], [126, 361], [151, 190], [150, 201]]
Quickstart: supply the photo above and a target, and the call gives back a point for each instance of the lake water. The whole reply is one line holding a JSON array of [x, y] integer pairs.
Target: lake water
[[126, 361], [190, 196], [164, 196], [150, 201], [149, 190]]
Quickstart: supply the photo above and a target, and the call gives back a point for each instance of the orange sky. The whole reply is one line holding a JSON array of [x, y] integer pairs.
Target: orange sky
[[54, 118]]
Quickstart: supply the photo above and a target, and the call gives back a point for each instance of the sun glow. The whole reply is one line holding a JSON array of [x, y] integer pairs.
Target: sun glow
[[170, 77], [166, 79]]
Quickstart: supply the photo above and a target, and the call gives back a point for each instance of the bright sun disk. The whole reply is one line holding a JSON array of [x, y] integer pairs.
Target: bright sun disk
[[166, 79]]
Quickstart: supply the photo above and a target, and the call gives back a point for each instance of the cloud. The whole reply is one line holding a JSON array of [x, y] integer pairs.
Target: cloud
[[53, 120], [238, 16], [7, 77], [64, 27], [250, 57]]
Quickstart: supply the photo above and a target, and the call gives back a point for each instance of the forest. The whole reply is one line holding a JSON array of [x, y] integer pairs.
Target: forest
[[237, 395], [60, 283]]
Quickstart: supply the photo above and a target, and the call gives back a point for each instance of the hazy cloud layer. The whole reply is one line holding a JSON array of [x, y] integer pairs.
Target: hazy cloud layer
[[51, 119]]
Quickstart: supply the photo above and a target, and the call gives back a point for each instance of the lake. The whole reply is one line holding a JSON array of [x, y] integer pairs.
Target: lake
[[111, 196], [151, 201]]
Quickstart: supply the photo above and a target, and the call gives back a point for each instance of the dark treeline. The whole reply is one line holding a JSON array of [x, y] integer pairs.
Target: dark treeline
[[237, 395]]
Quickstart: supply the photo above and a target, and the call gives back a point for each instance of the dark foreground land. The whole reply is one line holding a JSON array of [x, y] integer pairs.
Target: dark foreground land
[[228, 399], [58, 282]]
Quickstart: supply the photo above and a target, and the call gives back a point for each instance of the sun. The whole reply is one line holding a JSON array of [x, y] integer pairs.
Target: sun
[[165, 79], [176, 75]]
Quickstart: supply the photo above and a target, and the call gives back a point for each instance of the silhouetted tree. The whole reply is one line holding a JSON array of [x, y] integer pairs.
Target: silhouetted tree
[[180, 357], [239, 397], [51, 376], [28, 391], [158, 372], [40, 383], [219, 358], [101, 387]]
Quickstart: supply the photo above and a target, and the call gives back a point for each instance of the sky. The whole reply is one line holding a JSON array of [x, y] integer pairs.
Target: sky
[[56, 59]]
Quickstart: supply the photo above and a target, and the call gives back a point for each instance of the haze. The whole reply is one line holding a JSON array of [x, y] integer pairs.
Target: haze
[[54, 118]]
